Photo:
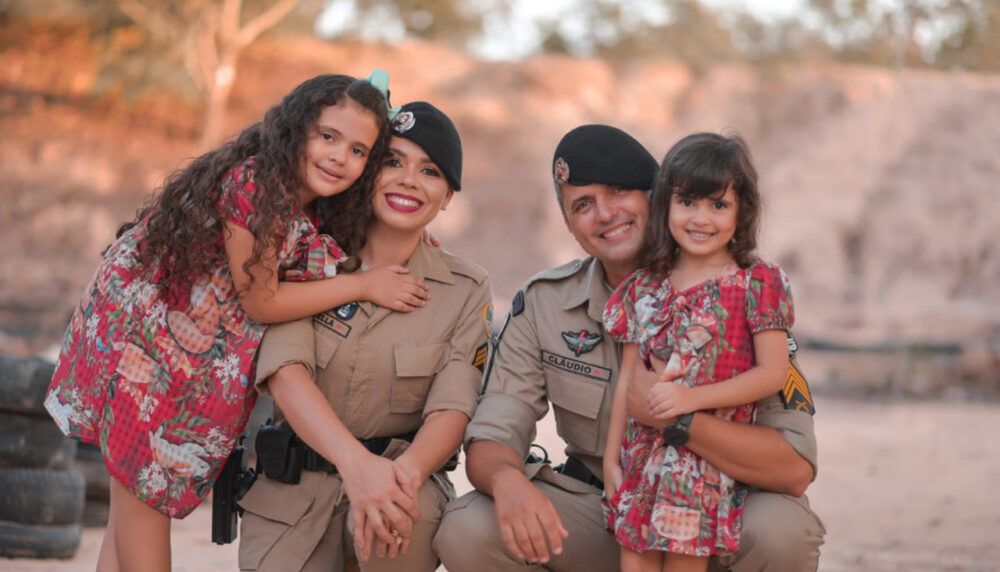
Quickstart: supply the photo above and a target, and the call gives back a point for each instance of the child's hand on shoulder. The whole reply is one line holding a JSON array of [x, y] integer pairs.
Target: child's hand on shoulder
[[392, 287]]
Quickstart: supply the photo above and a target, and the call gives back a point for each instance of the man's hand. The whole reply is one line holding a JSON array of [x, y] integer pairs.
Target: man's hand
[[529, 523]]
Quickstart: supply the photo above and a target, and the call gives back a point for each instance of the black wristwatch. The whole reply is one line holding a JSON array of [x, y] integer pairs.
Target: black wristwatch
[[678, 432]]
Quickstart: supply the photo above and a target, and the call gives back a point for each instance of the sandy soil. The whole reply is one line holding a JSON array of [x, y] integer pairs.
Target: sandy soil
[[900, 487]]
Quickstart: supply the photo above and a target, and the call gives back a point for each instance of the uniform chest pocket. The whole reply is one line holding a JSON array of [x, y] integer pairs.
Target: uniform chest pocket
[[416, 364], [577, 402]]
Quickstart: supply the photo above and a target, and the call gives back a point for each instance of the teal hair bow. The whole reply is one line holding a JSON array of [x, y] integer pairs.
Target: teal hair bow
[[380, 81]]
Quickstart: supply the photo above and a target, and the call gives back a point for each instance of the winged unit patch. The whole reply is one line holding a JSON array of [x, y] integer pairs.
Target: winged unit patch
[[581, 342]]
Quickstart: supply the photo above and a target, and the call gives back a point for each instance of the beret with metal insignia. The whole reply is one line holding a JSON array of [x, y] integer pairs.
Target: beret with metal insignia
[[603, 154], [433, 131]]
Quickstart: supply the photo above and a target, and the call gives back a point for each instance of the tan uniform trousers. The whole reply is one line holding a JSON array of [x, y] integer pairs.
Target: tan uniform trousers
[[780, 534], [317, 536]]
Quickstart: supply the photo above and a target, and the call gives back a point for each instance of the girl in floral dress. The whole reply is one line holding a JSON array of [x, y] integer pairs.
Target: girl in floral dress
[[158, 361], [705, 311]]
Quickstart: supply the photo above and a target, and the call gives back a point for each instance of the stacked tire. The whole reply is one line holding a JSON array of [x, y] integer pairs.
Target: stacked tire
[[41, 494]]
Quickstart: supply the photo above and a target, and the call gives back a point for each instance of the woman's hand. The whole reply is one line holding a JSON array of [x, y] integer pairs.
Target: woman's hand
[[379, 506], [408, 476], [392, 287], [409, 480]]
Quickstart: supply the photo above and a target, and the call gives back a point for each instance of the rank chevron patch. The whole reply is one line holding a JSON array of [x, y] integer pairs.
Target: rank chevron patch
[[796, 394]]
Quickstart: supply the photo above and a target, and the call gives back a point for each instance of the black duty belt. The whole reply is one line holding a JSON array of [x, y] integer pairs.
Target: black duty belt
[[313, 461], [575, 468]]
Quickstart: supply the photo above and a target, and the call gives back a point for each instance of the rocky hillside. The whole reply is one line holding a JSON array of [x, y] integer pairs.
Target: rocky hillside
[[878, 183]]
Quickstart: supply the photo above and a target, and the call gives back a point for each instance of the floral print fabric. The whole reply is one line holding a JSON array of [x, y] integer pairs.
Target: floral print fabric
[[164, 383], [671, 499]]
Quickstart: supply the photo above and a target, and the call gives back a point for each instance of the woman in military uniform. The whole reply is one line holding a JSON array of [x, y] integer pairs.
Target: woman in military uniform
[[378, 400]]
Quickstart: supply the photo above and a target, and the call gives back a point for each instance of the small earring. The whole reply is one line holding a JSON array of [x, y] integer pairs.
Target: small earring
[[444, 208]]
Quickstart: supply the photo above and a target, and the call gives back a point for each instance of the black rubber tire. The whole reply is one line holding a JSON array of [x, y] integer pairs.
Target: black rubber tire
[[95, 475], [36, 442], [29, 541], [39, 496], [23, 383], [95, 513], [89, 452]]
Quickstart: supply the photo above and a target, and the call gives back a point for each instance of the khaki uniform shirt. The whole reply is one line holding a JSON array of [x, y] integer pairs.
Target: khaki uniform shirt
[[383, 371], [557, 350]]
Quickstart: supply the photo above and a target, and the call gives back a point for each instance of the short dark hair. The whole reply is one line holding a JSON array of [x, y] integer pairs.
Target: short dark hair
[[698, 166]]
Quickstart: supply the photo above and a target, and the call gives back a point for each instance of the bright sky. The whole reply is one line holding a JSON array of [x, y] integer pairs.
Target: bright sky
[[518, 36]]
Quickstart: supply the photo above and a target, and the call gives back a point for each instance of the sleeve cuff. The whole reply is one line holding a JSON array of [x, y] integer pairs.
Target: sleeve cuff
[[503, 419], [455, 387]]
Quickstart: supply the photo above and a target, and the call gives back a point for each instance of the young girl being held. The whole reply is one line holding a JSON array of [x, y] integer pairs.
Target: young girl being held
[[717, 316], [157, 362]]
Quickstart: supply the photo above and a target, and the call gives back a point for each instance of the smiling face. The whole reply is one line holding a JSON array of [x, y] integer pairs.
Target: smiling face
[[703, 227], [337, 150], [410, 189], [609, 223]]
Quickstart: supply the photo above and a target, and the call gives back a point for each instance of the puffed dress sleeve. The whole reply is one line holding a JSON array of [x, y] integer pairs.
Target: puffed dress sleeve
[[238, 188], [768, 299], [620, 319]]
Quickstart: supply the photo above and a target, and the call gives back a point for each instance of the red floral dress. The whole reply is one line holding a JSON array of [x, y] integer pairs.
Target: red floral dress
[[671, 499], [164, 383]]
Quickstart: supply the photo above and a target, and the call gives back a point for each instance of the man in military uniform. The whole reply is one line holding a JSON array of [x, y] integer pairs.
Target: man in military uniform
[[553, 348]]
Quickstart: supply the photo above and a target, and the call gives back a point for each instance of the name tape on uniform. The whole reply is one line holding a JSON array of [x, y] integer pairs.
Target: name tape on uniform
[[333, 324], [577, 367]]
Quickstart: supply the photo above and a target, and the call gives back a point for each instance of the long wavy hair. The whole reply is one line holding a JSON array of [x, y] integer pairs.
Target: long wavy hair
[[698, 166], [183, 220]]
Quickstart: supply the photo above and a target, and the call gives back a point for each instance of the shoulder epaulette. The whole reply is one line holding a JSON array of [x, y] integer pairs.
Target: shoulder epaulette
[[557, 273], [466, 268]]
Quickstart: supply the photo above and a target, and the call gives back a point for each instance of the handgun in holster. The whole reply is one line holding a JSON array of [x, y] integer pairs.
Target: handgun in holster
[[233, 482]]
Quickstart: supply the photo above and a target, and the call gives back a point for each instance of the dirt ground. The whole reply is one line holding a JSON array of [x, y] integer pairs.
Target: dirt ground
[[900, 487]]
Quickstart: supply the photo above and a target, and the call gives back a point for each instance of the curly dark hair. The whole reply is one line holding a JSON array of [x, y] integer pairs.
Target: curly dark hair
[[183, 219], [698, 166]]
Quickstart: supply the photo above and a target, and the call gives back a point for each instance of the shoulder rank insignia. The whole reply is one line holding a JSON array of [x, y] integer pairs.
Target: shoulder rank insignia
[[581, 342], [346, 311], [796, 394], [517, 305]]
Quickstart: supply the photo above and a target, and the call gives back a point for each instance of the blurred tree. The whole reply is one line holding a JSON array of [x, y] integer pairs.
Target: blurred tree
[[686, 30], [912, 33], [451, 21], [975, 42], [207, 36]]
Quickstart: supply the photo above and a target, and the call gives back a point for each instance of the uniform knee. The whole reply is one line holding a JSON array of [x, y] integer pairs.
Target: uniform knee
[[788, 539], [462, 536]]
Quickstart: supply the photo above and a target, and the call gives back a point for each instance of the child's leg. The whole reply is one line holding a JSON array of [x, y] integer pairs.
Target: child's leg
[[648, 561], [107, 561], [673, 562], [139, 533]]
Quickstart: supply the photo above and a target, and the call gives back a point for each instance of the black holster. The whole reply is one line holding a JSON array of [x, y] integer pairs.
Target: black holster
[[280, 453], [234, 481]]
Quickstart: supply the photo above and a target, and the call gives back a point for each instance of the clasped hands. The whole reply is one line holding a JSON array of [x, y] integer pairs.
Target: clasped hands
[[383, 495]]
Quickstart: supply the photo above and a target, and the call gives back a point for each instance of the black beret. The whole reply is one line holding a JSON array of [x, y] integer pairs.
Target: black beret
[[603, 154], [428, 127]]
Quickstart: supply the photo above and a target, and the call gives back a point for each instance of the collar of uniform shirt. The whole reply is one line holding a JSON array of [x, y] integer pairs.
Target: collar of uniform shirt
[[590, 291]]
